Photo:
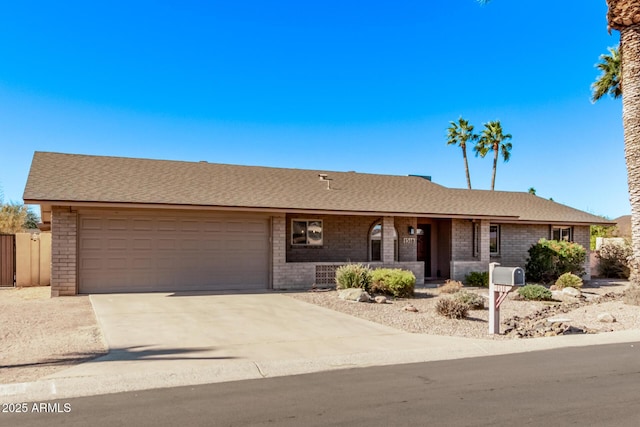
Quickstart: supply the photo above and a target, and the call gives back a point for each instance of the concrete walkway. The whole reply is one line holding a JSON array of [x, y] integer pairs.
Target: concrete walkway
[[167, 339]]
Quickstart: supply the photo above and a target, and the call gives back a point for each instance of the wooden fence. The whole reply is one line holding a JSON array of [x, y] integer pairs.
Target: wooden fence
[[7, 259]]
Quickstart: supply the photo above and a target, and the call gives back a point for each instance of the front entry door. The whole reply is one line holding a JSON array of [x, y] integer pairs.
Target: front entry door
[[424, 247]]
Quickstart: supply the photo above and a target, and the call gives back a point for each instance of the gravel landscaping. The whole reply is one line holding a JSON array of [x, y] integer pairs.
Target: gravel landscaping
[[40, 335], [582, 315]]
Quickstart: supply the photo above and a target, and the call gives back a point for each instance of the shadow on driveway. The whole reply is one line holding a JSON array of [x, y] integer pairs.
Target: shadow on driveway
[[123, 354]]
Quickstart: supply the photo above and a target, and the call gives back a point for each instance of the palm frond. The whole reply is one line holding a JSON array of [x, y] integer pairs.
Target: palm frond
[[610, 79]]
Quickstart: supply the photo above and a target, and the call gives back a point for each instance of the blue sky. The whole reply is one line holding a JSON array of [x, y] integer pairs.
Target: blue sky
[[332, 85]]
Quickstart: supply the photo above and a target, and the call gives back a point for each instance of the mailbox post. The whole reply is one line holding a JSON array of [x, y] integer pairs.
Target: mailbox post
[[502, 280]]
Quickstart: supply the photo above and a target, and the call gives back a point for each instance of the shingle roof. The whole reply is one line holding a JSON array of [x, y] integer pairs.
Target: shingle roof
[[68, 178]]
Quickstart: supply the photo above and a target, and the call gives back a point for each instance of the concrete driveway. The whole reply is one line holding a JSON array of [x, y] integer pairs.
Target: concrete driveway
[[264, 326], [170, 339]]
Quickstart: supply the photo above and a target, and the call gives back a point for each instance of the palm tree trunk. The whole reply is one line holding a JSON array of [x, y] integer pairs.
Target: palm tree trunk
[[630, 51], [466, 167], [495, 166]]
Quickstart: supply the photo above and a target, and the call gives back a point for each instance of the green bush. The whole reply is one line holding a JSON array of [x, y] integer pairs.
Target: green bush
[[568, 280], [473, 300], [353, 276], [535, 293], [549, 259], [477, 278], [393, 281], [451, 308], [613, 259], [450, 287]]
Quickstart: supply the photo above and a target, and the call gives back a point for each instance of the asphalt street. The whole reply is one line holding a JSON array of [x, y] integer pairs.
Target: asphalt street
[[595, 386]]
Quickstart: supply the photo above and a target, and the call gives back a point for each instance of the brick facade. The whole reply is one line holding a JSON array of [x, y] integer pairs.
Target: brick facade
[[64, 248], [346, 239], [515, 241]]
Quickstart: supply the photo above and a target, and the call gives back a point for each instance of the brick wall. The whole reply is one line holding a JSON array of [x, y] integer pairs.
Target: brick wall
[[582, 235], [515, 241], [462, 240], [63, 252], [345, 239]]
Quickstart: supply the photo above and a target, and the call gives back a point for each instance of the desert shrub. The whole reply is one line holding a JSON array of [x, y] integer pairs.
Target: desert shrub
[[631, 296], [535, 293], [353, 276], [613, 259], [549, 259], [477, 278], [451, 308], [568, 280], [450, 287], [393, 281], [474, 301]]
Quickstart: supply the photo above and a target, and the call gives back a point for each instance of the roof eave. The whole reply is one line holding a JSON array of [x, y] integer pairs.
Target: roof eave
[[132, 205]]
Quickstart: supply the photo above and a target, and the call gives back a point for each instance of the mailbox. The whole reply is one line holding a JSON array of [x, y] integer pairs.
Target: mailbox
[[512, 276]]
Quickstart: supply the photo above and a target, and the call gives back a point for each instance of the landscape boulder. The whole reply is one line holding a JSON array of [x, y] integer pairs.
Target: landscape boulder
[[354, 294]]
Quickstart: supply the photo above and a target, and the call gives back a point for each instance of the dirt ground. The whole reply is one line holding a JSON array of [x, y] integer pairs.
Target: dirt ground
[[40, 335]]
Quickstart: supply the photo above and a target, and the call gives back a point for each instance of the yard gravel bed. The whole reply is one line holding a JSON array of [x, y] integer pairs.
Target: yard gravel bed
[[427, 321], [40, 335]]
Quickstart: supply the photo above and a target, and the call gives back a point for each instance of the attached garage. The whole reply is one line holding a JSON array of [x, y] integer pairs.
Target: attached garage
[[120, 251]]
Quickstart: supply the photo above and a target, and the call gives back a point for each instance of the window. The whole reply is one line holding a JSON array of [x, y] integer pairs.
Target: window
[[476, 239], [494, 239], [306, 232], [562, 233], [375, 243]]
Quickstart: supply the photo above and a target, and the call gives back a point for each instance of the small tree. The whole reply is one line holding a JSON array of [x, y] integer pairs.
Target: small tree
[[549, 259], [15, 217], [613, 259], [601, 231]]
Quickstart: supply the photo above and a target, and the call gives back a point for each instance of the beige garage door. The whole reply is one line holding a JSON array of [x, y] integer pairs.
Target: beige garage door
[[137, 253]]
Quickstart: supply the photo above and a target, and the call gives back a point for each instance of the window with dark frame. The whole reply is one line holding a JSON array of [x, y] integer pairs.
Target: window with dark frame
[[476, 239], [494, 239], [306, 232]]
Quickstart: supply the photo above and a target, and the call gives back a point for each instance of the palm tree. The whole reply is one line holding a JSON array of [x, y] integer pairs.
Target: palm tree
[[624, 16], [492, 139], [460, 134], [609, 81]]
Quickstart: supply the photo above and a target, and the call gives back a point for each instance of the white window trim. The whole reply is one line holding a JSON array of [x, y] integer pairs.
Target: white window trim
[[308, 220], [561, 227]]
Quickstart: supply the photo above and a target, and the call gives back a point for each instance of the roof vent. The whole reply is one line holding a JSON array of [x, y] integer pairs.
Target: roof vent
[[323, 177], [427, 177]]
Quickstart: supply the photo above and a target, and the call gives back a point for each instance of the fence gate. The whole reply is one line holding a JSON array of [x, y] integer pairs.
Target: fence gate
[[7, 259]]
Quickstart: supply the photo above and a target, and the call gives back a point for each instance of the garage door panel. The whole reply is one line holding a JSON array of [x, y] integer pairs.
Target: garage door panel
[[116, 244], [135, 253], [118, 224]]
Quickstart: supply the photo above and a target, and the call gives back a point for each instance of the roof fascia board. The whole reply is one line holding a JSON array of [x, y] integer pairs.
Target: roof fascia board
[[120, 205]]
